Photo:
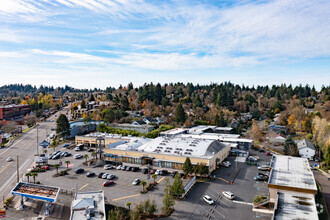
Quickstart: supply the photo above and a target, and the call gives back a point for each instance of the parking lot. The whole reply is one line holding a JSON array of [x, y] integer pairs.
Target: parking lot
[[120, 193], [244, 187]]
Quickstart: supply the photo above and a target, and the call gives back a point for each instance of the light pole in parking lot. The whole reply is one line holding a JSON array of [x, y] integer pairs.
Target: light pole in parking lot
[[37, 140]]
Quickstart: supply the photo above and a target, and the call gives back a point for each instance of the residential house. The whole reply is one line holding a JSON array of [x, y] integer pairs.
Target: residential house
[[306, 149]]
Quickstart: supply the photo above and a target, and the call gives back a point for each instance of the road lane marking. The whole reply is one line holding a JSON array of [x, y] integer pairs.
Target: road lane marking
[[83, 186], [161, 179], [126, 197], [5, 167]]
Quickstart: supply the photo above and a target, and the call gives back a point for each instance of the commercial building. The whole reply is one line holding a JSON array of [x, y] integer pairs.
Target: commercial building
[[290, 174], [295, 206], [90, 139], [14, 113], [79, 127], [168, 152], [142, 128], [88, 205]]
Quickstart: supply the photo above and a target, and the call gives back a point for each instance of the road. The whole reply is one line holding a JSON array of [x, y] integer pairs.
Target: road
[[25, 148]]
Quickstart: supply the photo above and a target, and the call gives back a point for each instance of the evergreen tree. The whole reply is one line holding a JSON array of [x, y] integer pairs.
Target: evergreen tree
[[177, 188], [91, 99], [222, 121], [165, 102], [290, 147], [180, 115], [158, 94], [168, 201], [83, 104], [187, 167], [197, 102], [62, 126], [124, 103]]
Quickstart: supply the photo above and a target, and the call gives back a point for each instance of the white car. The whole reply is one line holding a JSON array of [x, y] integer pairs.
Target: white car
[[9, 159], [104, 176], [226, 163], [252, 159], [157, 172], [228, 194], [77, 156], [77, 149], [264, 168], [119, 167], [136, 182], [208, 200], [110, 176], [107, 167]]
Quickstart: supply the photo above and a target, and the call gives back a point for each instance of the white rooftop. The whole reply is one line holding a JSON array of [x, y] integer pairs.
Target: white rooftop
[[220, 137], [130, 143], [88, 200], [295, 206], [200, 129], [105, 135], [174, 131], [224, 128], [183, 146], [292, 172]]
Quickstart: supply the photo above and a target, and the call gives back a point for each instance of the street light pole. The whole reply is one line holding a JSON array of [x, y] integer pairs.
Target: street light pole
[[37, 141]]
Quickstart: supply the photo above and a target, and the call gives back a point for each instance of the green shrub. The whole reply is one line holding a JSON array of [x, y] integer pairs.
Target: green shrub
[[8, 201], [259, 198]]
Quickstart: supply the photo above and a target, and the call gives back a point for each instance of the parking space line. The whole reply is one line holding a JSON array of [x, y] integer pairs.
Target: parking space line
[[240, 202], [223, 179], [160, 179], [125, 197], [83, 186], [5, 167]]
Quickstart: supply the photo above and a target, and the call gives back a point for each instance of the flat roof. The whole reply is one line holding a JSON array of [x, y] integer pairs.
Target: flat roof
[[131, 143], [36, 191], [220, 137], [104, 135], [174, 131], [200, 129], [295, 206], [291, 172], [131, 126], [224, 128], [88, 200], [182, 146]]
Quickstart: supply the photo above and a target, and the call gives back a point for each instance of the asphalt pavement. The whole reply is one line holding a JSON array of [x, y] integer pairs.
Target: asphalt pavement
[[25, 147]]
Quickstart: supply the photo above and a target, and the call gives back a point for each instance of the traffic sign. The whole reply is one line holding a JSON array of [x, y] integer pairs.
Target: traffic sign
[[44, 144]]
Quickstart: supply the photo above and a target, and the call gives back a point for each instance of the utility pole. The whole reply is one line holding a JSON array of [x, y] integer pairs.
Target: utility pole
[[37, 141], [17, 162]]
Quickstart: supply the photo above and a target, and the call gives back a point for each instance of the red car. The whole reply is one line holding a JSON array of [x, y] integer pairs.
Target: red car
[[45, 167], [108, 183], [268, 153], [152, 171]]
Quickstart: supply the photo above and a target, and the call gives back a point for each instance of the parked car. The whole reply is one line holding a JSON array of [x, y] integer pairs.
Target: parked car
[[67, 154], [128, 169], [90, 174], [226, 163], [90, 150], [264, 168], [79, 170], [136, 182], [261, 150], [208, 200], [77, 149], [100, 174], [157, 172], [119, 167], [252, 159], [163, 172], [268, 153], [174, 173], [45, 167], [152, 171], [144, 170], [108, 183], [56, 156], [135, 169], [77, 156], [9, 159], [111, 176], [123, 167], [261, 178], [65, 145], [107, 167], [104, 176], [228, 194]]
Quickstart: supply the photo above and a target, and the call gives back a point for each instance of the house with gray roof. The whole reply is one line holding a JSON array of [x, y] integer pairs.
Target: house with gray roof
[[306, 149]]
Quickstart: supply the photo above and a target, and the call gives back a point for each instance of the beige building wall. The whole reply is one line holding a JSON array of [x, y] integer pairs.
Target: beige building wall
[[92, 140]]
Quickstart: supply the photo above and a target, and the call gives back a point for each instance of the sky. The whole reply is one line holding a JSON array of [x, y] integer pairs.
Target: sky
[[101, 43]]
